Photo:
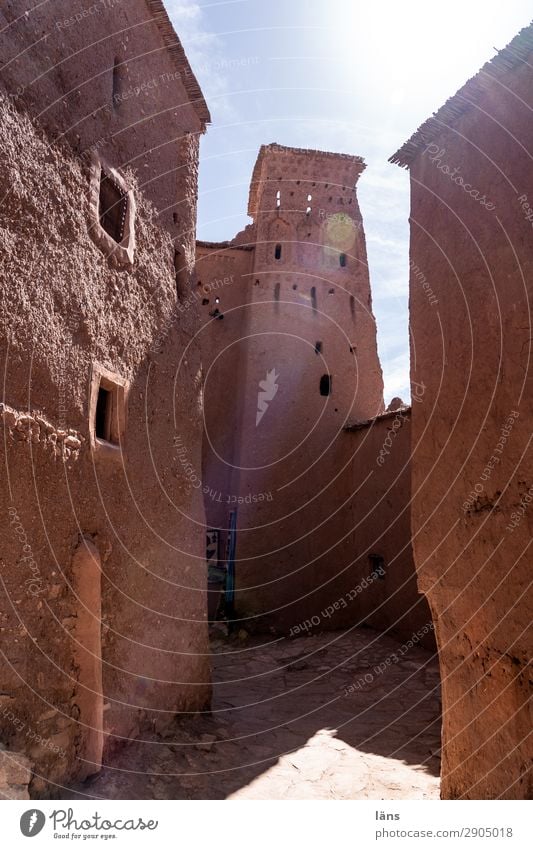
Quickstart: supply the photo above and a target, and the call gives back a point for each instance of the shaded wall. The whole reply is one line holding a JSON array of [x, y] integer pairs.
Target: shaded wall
[[63, 309], [471, 246]]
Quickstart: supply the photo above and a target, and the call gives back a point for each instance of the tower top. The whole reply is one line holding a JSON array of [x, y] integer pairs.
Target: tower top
[[301, 164]]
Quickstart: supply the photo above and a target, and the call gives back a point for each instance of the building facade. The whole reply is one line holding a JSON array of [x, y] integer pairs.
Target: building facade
[[472, 472], [290, 364], [103, 598]]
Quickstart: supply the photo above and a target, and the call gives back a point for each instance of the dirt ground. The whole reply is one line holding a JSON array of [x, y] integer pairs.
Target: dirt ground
[[342, 715]]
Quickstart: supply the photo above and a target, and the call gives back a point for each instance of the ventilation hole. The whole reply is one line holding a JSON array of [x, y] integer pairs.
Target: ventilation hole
[[175, 217], [277, 252], [205, 302], [318, 347], [294, 286], [342, 260], [331, 292], [313, 298], [325, 384]]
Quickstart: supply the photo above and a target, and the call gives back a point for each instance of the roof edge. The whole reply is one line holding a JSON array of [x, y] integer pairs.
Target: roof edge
[[506, 59], [388, 414], [175, 48], [274, 147]]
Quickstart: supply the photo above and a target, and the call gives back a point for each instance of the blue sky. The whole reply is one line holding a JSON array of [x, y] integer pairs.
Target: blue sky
[[339, 75]]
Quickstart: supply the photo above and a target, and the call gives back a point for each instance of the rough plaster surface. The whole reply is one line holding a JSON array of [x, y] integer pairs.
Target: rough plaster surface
[[472, 468], [64, 307]]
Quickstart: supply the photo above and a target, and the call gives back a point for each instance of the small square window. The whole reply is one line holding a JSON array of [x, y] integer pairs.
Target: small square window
[[107, 411], [105, 421]]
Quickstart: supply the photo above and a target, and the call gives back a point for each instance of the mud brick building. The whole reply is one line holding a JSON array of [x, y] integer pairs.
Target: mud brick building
[[102, 598], [472, 472], [290, 365]]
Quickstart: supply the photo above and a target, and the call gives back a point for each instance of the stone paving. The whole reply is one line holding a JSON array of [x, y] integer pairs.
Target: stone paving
[[310, 718]]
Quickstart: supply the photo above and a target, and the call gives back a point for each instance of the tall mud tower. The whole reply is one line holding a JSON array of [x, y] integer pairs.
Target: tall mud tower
[[295, 361]]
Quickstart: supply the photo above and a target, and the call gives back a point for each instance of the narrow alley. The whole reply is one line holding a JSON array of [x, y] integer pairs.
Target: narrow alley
[[342, 715]]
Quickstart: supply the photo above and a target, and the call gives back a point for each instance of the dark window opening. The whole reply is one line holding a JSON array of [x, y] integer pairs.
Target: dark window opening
[[276, 291], [105, 425], [377, 566], [277, 252], [352, 306], [331, 292], [175, 217], [318, 347], [205, 302], [313, 298], [342, 260], [113, 208], [294, 286], [325, 384]]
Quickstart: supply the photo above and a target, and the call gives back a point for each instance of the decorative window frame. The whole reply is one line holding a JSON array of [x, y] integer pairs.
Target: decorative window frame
[[120, 387], [119, 253]]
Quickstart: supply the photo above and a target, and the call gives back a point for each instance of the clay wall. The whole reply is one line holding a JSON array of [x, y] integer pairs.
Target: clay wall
[[67, 310], [471, 246]]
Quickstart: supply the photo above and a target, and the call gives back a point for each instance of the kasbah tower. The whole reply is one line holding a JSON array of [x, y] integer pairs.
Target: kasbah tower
[[290, 358]]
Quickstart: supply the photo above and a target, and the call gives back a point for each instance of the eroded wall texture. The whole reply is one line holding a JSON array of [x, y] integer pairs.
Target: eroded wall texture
[[128, 515], [470, 303]]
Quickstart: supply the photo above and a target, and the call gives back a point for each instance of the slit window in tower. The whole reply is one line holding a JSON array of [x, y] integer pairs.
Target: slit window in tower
[[278, 199], [342, 260], [276, 291], [325, 384], [377, 566], [113, 207], [277, 252], [313, 298], [352, 306], [318, 347]]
